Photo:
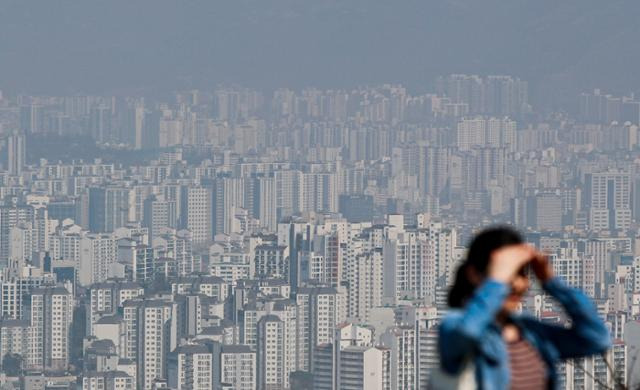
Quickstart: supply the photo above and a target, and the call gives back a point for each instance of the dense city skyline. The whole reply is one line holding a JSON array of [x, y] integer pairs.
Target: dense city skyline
[[254, 196], [323, 217]]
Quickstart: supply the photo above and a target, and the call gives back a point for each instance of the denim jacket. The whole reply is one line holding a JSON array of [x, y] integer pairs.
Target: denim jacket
[[473, 333]]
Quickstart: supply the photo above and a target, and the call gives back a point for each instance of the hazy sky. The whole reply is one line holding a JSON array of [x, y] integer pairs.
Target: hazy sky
[[118, 46]]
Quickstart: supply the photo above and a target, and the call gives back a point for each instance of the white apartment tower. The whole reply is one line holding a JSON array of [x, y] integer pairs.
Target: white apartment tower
[[108, 380], [608, 196], [409, 266], [594, 372], [14, 337], [196, 213], [401, 342], [51, 314], [98, 254], [271, 354], [107, 297], [16, 153], [238, 367], [129, 348], [364, 274], [154, 338], [14, 294], [320, 310], [158, 213], [361, 368], [326, 356], [191, 368]]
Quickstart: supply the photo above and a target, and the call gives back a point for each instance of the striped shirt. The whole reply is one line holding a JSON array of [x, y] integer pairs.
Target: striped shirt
[[528, 370]]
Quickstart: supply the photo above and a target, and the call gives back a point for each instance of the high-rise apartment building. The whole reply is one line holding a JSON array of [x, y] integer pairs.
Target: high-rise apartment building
[[106, 298], [433, 169], [15, 291], [271, 357], [363, 367], [97, 257], [158, 214], [289, 193], [608, 197], [544, 211], [12, 213], [51, 316], [227, 194], [100, 124], [176, 248], [320, 192], [486, 132], [195, 213], [578, 271], [190, 367], [326, 356], [16, 153], [402, 344], [154, 327], [491, 95], [238, 367], [271, 261], [409, 266], [31, 118], [109, 380], [134, 126], [608, 370], [364, 275], [110, 207], [14, 338], [319, 311]]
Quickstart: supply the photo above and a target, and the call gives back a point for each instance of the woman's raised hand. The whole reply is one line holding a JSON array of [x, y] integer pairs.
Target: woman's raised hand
[[506, 262], [542, 267]]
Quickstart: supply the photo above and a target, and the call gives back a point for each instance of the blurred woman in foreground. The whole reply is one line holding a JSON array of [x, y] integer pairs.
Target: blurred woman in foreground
[[505, 349]]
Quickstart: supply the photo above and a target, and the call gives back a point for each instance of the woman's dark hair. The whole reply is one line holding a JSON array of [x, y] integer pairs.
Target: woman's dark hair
[[478, 257]]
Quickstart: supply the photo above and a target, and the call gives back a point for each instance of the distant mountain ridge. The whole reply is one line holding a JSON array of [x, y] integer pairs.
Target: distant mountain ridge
[[105, 47]]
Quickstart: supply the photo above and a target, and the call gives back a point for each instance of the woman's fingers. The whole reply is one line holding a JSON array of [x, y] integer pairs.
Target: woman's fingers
[[542, 267], [507, 261]]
